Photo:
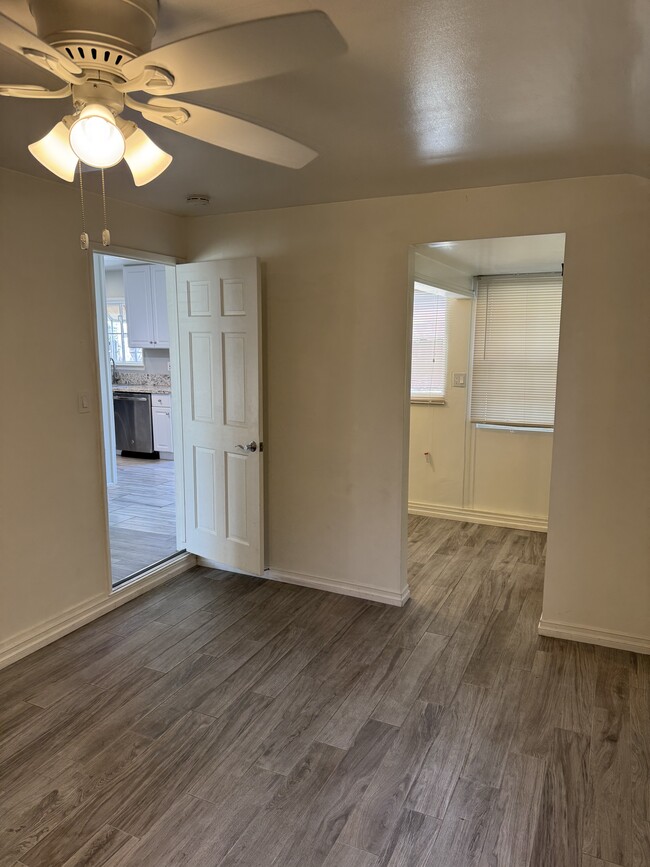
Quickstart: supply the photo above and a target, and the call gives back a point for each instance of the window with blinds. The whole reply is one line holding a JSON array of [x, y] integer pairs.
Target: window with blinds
[[429, 347], [515, 350]]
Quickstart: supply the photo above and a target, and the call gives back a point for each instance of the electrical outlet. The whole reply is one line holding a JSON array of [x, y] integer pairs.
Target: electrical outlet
[[169, 367]]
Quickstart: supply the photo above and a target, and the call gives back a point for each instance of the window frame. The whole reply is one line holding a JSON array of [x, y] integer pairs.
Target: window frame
[[431, 399], [124, 337]]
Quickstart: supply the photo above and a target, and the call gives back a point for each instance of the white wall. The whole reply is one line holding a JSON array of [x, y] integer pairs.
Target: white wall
[[598, 564], [114, 282], [52, 514], [502, 476], [336, 290], [156, 361]]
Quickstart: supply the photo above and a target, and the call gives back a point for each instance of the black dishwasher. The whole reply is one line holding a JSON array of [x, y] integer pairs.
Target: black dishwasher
[[133, 425]]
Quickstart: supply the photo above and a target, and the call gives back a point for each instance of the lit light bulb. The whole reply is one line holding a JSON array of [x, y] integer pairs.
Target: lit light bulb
[[54, 152], [145, 159], [95, 137]]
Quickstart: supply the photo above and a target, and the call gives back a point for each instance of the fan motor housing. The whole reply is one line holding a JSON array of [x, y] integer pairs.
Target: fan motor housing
[[101, 35]]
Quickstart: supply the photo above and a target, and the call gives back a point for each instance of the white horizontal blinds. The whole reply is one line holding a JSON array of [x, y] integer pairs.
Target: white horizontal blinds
[[515, 349], [429, 353]]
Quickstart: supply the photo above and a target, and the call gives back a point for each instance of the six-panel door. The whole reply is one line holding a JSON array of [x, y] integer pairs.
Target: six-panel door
[[220, 371]]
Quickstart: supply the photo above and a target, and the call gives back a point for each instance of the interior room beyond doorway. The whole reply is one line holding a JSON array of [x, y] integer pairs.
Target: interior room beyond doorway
[[140, 465], [482, 412]]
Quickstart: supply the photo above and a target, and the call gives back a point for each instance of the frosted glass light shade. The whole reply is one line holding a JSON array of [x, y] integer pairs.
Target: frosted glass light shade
[[54, 152], [96, 139], [145, 159]]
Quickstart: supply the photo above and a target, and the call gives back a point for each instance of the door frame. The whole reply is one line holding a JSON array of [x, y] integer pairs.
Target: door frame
[[103, 380]]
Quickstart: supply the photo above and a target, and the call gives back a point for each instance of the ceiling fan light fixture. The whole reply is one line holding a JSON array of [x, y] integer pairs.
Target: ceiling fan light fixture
[[95, 137], [54, 152], [145, 159]]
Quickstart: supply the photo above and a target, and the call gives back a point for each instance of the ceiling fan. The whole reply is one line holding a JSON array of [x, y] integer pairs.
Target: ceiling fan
[[102, 52]]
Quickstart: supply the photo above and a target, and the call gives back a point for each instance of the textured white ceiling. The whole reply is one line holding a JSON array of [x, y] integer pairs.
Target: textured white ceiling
[[431, 95]]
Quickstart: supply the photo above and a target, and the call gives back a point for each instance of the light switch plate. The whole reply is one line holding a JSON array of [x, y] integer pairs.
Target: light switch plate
[[460, 380], [83, 400]]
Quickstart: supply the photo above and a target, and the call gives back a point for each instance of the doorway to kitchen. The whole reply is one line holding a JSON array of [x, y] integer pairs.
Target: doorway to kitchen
[[137, 363]]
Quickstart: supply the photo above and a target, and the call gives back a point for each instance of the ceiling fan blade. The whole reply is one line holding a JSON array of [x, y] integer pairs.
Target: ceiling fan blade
[[29, 46], [231, 133], [34, 91], [239, 53]]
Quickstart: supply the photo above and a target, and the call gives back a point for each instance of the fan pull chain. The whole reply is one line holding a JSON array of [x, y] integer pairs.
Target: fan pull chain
[[83, 238], [106, 235]]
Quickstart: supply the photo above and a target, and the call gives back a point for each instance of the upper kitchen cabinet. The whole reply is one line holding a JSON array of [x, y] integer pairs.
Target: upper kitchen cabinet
[[145, 293], [160, 316]]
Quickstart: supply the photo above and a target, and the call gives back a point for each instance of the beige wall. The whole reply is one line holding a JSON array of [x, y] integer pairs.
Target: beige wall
[[440, 430], [511, 472], [52, 534], [336, 288]]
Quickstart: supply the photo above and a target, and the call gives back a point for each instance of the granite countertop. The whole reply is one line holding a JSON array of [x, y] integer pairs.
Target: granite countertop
[[142, 389]]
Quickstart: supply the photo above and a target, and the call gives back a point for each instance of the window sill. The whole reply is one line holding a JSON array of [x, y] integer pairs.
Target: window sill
[[509, 428], [428, 401]]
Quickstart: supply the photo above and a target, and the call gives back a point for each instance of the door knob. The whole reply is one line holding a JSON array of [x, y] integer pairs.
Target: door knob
[[249, 447]]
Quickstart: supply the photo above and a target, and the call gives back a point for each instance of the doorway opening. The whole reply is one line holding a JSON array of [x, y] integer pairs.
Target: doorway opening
[[137, 362], [484, 353]]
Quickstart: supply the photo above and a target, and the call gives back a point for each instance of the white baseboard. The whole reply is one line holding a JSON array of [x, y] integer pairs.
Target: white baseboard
[[474, 516], [222, 567], [361, 591], [591, 635], [32, 639]]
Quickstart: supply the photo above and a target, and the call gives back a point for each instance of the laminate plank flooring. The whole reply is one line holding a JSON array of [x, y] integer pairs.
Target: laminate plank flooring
[[141, 515], [225, 721]]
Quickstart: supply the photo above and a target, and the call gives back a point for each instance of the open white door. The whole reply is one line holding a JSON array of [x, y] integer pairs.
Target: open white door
[[105, 377], [219, 324]]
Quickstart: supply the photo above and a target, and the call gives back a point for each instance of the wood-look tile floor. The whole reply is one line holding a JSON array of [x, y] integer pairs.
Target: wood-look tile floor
[[142, 515], [225, 720]]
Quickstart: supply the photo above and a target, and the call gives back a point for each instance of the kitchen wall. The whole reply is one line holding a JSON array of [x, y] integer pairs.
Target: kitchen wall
[[501, 476], [336, 293], [156, 360], [114, 282], [53, 559]]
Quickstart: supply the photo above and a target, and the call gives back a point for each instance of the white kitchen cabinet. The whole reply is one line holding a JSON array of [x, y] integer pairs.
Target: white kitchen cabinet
[[137, 295], [160, 317], [161, 415], [145, 293]]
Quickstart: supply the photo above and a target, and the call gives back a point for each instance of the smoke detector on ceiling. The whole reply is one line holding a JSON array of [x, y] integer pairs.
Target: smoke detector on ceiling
[[198, 201]]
